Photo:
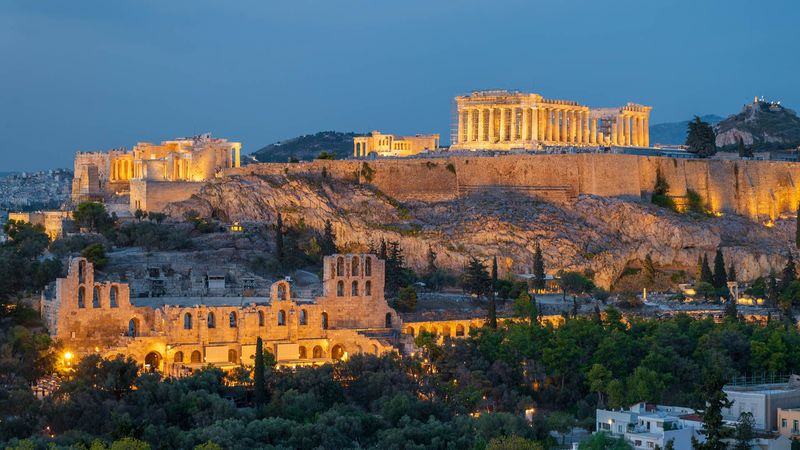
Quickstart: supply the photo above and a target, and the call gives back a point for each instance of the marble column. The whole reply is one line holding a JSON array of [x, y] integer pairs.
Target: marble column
[[502, 112], [593, 133], [556, 125], [573, 126], [470, 128], [534, 124], [461, 120], [615, 126], [646, 127], [513, 134], [491, 137], [481, 125], [526, 121], [585, 139], [564, 124], [627, 122]]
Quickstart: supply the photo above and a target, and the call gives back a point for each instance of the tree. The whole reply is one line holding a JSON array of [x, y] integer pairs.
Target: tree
[[706, 276], [139, 215], [476, 279], [279, 239], [396, 272], [96, 254], [431, 259], [328, 241], [660, 190], [92, 216], [701, 138], [772, 288], [258, 373], [599, 377], [407, 299], [797, 228], [731, 310], [492, 289], [604, 441], [513, 442], [649, 269], [732, 273], [705, 289], [744, 432], [789, 273], [744, 151], [720, 277], [716, 401], [539, 281]]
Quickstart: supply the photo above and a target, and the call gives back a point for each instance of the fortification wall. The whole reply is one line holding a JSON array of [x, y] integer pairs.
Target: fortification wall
[[758, 189], [150, 195]]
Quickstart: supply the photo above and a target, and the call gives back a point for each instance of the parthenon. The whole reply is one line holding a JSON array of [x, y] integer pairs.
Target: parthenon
[[507, 120]]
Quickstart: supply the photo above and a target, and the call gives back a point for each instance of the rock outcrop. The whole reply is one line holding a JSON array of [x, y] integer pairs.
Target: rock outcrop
[[597, 234], [762, 125]]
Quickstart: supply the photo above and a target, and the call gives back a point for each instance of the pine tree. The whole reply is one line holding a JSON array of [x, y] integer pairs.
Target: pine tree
[[431, 267], [382, 254], [716, 401], [732, 273], [720, 279], [279, 238], [328, 242], [772, 289], [789, 273], [371, 249], [705, 272], [539, 281], [649, 269], [701, 139], [260, 387], [740, 147], [395, 266], [476, 279], [698, 276], [492, 289]]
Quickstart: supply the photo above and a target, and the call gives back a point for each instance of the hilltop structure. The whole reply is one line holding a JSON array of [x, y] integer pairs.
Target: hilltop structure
[[508, 120], [391, 145], [176, 169]]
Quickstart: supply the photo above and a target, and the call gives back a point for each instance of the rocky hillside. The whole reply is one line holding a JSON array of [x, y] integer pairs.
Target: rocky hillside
[[674, 133], [308, 147], [762, 125], [601, 235]]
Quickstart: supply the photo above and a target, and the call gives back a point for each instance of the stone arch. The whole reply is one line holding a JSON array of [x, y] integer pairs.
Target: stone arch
[[340, 266], [410, 330], [375, 349], [281, 290], [354, 289], [261, 318], [302, 352], [152, 362], [317, 352], [178, 358], [354, 266], [196, 357], [303, 317], [446, 331], [281, 318], [232, 319], [133, 327], [112, 297], [340, 288], [423, 329], [95, 297], [187, 321], [368, 266], [324, 321], [472, 327], [81, 271], [435, 331], [212, 320], [338, 352], [459, 330], [359, 349], [81, 297], [233, 357], [368, 288], [388, 321]]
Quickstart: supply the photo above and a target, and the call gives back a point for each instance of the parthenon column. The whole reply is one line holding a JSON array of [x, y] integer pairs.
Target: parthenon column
[[513, 135], [491, 138], [470, 127], [646, 127], [627, 122], [593, 133], [540, 112], [526, 119], [564, 123], [585, 123], [502, 124], [481, 127], [534, 124], [573, 126], [615, 127], [548, 125], [556, 125]]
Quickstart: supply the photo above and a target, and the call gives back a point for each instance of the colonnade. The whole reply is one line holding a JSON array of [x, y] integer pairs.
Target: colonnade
[[121, 169], [551, 124]]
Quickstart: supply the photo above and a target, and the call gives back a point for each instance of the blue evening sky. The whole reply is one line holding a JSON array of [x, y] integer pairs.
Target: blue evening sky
[[99, 74]]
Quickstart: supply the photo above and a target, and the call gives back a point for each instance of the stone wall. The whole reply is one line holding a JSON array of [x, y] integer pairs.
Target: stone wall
[[760, 190], [150, 195]]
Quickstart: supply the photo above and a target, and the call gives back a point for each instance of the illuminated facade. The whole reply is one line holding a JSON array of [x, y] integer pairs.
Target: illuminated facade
[[508, 120], [391, 145]]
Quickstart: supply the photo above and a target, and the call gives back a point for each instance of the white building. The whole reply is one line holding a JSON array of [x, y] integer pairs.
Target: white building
[[647, 426], [762, 401]]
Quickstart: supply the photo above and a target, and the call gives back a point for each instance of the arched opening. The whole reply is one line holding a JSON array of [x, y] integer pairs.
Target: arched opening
[[446, 331], [410, 331], [302, 352], [368, 266], [472, 327], [388, 320], [112, 296], [178, 357], [359, 350], [434, 331], [354, 289], [337, 352], [95, 297], [233, 357], [303, 317], [81, 271], [133, 327], [232, 319], [459, 330], [282, 292], [281, 318], [354, 266], [375, 350], [81, 297], [212, 320], [340, 267], [317, 352], [324, 321], [368, 288], [340, 288], [261, 318], [152, 362], [196, 356], [423, 329], [187, 321]]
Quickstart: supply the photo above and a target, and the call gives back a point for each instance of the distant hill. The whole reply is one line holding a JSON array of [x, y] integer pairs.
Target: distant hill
[[308, 147], [762, 125], [674, 133]]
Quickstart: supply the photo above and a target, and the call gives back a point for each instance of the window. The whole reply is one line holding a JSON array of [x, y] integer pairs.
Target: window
[[388, 320], [317, 352], [794, 426], [459, 330], [232, 356], [261, 318], [81, 297], [212, 321], [410, 331], [197, 357], [187, 321], [368, 266], [95, 297], [282, 292], [178, 357], [354, 289], [340, 267], [133, 328], [783, 423], [368, 288], [281, 318], [113, 297], [232, 319], [302, 353], [354, 266], [81, 271], [340, 289], [324, 321], [303, 317]]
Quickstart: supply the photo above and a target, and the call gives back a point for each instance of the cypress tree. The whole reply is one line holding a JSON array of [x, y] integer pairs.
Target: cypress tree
[[732, 273], [789, 272], [698, 276], [705, 272], [492, 288], [431, 268], [260, 387], [772, 289], [382, 254], [649, 269], [328, 244], [720, 277], [279, 238], [539, 281]]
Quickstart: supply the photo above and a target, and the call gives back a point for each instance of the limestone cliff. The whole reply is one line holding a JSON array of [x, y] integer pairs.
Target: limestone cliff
[[603, 235], [762, 125]]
